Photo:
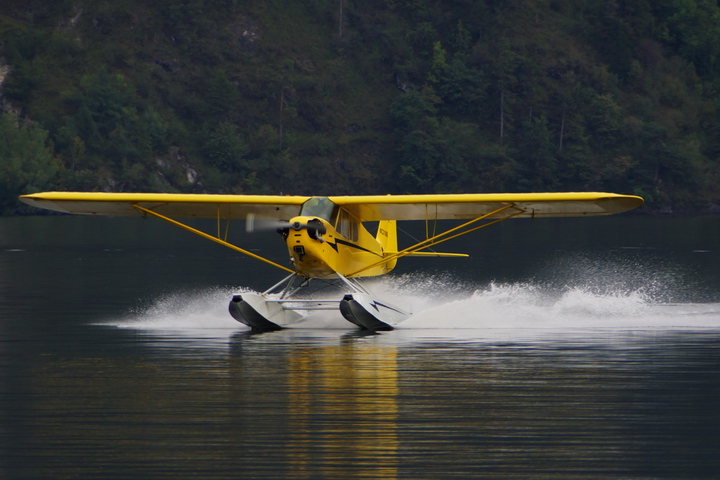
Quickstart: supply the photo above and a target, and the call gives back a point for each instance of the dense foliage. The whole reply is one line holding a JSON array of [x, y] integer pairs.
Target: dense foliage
[[374, 96]]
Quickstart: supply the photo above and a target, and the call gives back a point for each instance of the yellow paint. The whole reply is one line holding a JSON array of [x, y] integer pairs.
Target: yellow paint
[[169, 204], [355, 386], [346, 248], [334, 252], [363, 208], [467, 206]]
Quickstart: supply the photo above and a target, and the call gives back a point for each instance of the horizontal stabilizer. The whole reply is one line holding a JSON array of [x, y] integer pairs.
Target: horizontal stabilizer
[[436, 254]]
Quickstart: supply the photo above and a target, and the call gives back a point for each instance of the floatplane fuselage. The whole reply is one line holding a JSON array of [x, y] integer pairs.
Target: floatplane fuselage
[[327, 237], [327, 242], [318, 250]]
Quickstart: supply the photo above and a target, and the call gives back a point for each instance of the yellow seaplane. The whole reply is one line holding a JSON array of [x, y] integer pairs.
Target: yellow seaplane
[[330, 237]]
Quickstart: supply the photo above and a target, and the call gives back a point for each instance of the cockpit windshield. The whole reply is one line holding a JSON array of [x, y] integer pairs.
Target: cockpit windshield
[[320, 207]]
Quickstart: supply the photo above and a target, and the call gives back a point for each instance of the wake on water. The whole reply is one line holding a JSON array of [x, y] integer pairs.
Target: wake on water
[[444, 302]]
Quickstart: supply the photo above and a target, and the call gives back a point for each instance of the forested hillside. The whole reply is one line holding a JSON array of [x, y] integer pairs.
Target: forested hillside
[[362, 96]]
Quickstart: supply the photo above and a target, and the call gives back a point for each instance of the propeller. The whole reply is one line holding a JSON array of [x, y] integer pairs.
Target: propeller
[[315, 227], [254, 224]]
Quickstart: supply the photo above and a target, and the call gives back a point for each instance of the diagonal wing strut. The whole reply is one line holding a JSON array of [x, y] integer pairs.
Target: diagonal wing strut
[[210, 237], [437, 239]]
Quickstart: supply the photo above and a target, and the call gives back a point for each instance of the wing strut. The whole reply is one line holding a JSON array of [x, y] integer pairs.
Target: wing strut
[[210, 237], [437, 239]]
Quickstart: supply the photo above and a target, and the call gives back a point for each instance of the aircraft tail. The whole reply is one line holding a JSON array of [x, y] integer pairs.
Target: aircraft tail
[[387, 237]]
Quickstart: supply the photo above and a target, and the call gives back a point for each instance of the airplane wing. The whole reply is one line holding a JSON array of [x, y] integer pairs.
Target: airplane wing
[[365, 208], [468, 206], [169, 204]]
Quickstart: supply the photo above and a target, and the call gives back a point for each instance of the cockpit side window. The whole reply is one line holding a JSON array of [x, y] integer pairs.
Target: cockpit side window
[[347, 225], [320, 207]]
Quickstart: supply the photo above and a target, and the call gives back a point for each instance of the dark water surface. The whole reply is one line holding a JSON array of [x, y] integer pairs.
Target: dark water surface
[[562, 349]]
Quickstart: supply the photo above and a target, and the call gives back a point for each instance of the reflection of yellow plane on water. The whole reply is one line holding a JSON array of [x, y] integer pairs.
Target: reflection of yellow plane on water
[[327, 237]]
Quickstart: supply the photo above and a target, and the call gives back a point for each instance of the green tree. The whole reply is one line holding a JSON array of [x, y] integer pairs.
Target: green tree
[[439, 64], [693, 27], [225, 149], [461, 87], [27, 161], [410, 110], [535, 151], [222, 96]]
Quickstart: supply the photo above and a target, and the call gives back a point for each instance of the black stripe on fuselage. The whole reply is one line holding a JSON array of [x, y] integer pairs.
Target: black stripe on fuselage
[[349, 244]]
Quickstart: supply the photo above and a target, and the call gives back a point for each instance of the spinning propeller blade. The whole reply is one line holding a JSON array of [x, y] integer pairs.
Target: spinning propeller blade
[[254, 224]]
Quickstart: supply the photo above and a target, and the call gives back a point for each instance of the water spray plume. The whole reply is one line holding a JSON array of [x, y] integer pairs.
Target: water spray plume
[[446, 302]]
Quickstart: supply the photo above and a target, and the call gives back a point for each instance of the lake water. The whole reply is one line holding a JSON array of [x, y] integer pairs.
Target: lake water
[[563, 349]]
